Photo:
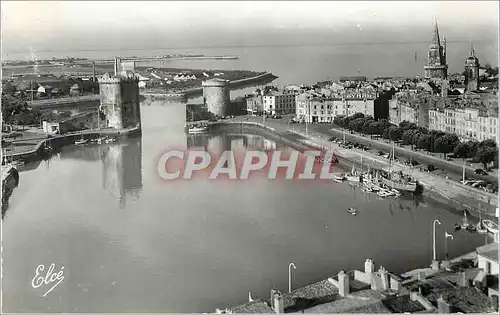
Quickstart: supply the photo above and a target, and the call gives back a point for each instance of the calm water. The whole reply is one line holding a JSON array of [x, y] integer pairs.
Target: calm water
[[310, 64], [132, 243]]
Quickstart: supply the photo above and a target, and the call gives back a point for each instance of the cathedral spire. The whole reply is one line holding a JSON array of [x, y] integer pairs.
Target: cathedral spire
[[435, 35], [472, 53]]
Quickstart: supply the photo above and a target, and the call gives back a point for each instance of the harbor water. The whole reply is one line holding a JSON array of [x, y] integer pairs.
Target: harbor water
[[132, 242]]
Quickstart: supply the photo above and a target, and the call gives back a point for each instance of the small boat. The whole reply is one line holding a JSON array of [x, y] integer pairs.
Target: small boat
[[491, 226], [457, 227], [367, 189], [198, 129], [352, 211], [81, 141], [98, 140], [340, 177], [110, 140], [338, 181], [395, 192]]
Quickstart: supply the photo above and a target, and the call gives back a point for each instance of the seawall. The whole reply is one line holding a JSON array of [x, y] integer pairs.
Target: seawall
[[56, 142]]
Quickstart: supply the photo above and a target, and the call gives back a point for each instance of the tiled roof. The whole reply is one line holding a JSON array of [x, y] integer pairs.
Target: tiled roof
[[402, 304], [319, 291], [366, 301], [257, 307], [463, 299], [489, 251]]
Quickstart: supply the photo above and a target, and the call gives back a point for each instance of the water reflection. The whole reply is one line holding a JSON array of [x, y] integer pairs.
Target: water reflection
[[121, 166], [122, 169], [218, 143]]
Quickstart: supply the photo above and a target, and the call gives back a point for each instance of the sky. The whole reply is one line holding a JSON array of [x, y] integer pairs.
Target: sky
[[52, 23]]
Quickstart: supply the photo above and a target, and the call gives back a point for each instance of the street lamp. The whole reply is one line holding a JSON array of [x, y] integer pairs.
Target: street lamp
[[434, 238], [290, 276], [446, 236]]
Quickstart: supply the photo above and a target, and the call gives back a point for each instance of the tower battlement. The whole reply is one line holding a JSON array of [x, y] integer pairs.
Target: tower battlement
[[107, 79], [120, 101]]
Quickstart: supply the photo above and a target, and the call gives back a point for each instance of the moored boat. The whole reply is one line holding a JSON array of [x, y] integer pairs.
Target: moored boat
[[352, 211], [81, 141], [198, 129], [110, 140], [339, 177]]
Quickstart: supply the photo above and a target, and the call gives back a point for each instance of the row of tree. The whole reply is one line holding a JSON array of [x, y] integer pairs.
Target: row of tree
[[408, 133]]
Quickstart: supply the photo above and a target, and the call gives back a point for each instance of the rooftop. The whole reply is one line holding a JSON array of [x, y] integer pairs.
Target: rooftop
[[463, 299], [258, 306], [489, 251]]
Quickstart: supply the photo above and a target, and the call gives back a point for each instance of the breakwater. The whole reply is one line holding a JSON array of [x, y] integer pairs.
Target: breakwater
[[196, 92]]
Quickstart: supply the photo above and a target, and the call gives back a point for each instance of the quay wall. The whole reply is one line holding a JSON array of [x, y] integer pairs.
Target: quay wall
[[56, 142]]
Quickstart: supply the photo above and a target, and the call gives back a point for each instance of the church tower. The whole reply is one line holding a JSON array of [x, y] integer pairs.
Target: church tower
[[436, 67], [472, 70]]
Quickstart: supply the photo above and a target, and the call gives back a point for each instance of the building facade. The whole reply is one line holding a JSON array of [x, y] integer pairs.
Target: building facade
[[467, 123], [255, 105], [436, 67], [277, 103]]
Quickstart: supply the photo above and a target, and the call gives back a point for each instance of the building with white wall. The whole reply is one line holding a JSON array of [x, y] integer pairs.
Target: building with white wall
[[467, 123], [278, 103]]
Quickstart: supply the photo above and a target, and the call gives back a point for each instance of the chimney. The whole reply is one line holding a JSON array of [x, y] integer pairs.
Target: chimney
[[421, 275], [384, 276], [343, 283], [461, 280], [442, 305], [279, 305], [273, 293], [494, 301], [369, 267]]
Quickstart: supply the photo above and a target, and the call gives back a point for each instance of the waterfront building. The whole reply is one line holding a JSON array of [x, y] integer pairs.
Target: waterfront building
[[472, 71], [280, 103], [436, 67], [412, 107], [324, 107], [312, 108], [487, 257], [468, 123], [255, 105]]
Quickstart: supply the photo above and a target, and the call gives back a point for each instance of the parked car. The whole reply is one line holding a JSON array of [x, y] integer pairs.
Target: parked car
[[480, 171], [430, 168]]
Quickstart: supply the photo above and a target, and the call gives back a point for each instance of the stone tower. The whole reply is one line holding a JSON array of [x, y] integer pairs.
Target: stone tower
[[120, 101], [436, 67], [472, 70], [216, 96]]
